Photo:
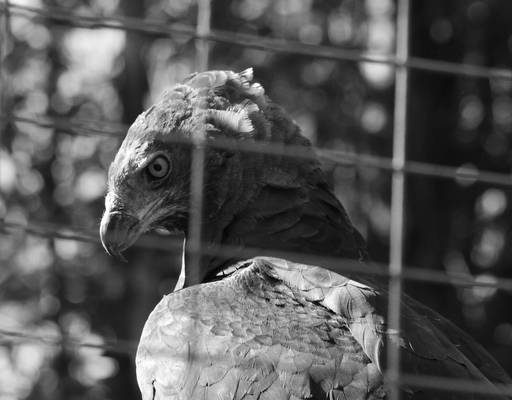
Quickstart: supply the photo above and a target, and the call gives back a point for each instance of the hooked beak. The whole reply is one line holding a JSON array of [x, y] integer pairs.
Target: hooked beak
[[118, 231]]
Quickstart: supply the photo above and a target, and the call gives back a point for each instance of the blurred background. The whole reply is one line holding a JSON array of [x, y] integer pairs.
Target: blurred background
[[72, 81]]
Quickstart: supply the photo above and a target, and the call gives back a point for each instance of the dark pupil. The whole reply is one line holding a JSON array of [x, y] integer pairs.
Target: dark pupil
[[157, 167]]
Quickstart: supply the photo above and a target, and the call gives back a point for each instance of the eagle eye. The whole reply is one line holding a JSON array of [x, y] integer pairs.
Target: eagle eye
[[159, 167]]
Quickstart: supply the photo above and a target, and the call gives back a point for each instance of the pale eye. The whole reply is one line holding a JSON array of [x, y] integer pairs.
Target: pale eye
[[159, 167]]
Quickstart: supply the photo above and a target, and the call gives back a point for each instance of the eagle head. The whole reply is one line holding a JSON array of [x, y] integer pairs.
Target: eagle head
[[149, 179]]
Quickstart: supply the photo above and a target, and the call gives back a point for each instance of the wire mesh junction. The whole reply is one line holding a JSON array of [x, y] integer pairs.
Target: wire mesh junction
[[397, 165]]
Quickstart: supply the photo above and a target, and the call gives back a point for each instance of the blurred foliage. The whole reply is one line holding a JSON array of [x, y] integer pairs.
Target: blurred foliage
[[70, 290]]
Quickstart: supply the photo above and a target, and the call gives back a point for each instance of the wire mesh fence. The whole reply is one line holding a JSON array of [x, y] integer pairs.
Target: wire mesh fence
[[398, 166]]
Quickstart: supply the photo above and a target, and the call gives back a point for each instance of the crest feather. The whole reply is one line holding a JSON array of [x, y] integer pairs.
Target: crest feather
[[247, 74], [208, 79], [246, 105], [235, 119], [213, 80]]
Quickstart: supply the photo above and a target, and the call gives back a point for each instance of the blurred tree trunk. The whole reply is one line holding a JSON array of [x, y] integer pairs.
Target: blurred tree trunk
[[428, 199], [442, 210]]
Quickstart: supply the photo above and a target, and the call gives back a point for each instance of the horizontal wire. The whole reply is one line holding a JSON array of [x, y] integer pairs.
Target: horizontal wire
[[441, 383], [61, 15], [77, 127], [174, 243], [444, 384], [50, 230], [13, 336], [340, 157]]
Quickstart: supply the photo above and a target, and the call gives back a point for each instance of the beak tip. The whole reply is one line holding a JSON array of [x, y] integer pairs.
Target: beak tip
[[117, 233], [115, 253]]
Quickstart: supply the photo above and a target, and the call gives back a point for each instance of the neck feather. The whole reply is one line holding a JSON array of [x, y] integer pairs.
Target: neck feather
[[291, 216]]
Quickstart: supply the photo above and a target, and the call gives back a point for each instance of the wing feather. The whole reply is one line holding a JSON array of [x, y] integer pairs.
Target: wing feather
[[282, 330], [430, 345]]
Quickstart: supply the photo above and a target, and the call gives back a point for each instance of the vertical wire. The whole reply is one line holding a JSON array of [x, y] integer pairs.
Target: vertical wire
[[191, 262], [193, 244], [5, 37], [4, 49], [397, 200], [203, 27]]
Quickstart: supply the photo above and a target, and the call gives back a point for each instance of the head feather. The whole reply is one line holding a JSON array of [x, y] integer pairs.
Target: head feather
[[222, 82], [235, 120]]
